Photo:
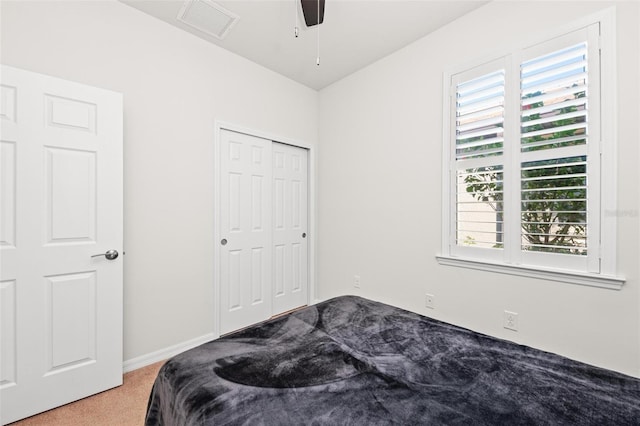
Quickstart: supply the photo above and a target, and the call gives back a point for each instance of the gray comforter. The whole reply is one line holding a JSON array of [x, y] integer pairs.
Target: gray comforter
[[352, 361]]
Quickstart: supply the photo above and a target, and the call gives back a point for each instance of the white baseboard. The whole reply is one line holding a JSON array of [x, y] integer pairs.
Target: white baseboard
[[166, 353]]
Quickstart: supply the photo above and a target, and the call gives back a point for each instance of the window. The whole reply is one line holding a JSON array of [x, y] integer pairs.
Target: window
[[525, 156]]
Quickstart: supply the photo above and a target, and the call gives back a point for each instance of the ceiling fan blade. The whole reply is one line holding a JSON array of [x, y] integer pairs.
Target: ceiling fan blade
[[310, 11]]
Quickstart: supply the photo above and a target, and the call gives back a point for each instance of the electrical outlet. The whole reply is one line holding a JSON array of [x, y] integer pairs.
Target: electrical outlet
[[510, 320], [356, 281], [429, 301]]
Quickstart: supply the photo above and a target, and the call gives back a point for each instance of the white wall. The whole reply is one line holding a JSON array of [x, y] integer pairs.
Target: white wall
[[174, 86], [380, 191], [379, 168]]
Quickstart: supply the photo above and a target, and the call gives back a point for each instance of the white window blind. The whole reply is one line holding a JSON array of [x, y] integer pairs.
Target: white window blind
[[478, 155], [524, 157], [554, 151], [480, 116]]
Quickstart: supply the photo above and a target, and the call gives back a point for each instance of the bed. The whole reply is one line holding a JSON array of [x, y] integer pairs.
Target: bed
[[353, 361]]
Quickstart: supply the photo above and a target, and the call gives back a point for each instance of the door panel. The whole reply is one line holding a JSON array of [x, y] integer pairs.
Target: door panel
[[71, 311], [70, 197], [7, 194], [61, 308], [8, 333], [290, 278], [245, 200]]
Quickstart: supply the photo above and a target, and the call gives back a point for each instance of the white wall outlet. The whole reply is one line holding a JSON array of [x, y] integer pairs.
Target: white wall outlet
[[356, 281], [510, 320], [429, 301]]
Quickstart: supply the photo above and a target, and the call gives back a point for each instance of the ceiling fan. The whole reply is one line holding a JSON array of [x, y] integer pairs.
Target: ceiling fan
[[313, 11]]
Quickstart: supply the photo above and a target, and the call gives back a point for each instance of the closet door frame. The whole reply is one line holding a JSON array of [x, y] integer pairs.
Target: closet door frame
[[217, 234]]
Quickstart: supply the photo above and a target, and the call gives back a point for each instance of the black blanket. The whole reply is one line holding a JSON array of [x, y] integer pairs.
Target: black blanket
[[353, 361]]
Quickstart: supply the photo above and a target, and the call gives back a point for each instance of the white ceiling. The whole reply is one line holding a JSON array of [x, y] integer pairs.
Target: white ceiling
[[355, 33]]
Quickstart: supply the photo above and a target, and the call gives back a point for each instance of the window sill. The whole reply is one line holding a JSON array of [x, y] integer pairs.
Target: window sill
[[593, 280]]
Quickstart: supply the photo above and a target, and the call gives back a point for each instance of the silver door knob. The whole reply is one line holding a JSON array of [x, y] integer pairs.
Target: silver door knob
[[110, 254]]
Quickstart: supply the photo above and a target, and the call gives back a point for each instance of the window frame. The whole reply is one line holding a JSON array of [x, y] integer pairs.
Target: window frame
[[510, 260]]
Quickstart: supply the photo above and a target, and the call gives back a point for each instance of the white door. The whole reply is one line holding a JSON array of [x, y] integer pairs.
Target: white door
[[61, 203], [289, 227], [245, 236], [263, 229]]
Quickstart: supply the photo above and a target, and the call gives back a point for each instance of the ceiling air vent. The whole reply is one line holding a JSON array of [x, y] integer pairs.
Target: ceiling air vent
[[208, 17]]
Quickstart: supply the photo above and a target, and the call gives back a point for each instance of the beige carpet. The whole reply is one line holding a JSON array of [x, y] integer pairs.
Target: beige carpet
[[123, 406]]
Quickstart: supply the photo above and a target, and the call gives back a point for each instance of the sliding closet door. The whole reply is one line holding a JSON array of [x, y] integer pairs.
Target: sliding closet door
[[263, 242], [290, 260], [245, 230]]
